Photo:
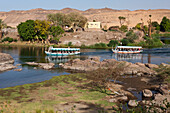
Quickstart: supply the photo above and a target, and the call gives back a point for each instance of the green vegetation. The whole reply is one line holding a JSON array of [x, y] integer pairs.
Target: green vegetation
[[124, 28], [9, 39], [38, 30], [45, 96], [71, 19], [112, 43], [165, 25]]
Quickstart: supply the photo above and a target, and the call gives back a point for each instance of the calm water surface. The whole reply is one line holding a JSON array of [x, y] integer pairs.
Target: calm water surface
[[34, 54]]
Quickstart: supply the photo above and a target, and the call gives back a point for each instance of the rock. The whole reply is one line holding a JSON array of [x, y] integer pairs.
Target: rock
[[133, 103], [147, 93], [42, 65], [161, 99], [35, 68], [95, 58], [151, 66], [46, 65], [6, 59], [163, 88], [6, 67], [18, 64], [94, 63], [139, 74], [165, 65], [122, 98], [18, 69], [32, 63], [131, 89], [6, 62], [112, 100]]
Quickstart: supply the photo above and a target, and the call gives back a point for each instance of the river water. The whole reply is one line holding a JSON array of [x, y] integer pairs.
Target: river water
[[36, 54]]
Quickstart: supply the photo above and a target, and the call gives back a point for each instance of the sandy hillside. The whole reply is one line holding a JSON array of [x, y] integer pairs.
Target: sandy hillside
[[107, 16]]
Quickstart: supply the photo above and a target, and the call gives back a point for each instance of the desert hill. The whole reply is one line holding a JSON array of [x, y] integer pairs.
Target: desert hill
[[107, 16]]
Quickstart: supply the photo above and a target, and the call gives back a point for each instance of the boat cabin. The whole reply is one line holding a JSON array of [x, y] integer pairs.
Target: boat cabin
[[127, 49]]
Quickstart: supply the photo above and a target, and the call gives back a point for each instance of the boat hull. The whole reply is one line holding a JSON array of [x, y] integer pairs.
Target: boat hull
[[126, 52], [60, 54]]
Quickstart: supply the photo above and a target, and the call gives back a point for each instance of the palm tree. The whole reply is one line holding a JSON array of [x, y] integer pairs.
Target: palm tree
[[149, 26], [2, 25], [121, 18]]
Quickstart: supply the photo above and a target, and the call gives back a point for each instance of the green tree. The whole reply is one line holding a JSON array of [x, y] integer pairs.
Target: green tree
[[124, 28], [26, 30], [41, 29], [56, 32], [122, 20], [165, 24], [138, 26], [77, 20], [125, 42], [112, 43]]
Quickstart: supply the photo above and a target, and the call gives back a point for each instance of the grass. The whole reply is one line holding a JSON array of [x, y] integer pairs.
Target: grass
[[50, 93]]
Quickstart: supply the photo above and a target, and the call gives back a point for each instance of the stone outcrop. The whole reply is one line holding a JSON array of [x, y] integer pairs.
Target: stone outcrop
[[133, 103], [147, 93], [94, 64], [6, 62], [46, 66]]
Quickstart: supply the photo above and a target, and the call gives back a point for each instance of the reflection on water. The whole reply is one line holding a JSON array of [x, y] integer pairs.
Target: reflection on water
[[61, 59], [121, 57]]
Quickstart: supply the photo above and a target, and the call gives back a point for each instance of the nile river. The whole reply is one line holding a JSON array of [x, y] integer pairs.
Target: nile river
[[30, 74]]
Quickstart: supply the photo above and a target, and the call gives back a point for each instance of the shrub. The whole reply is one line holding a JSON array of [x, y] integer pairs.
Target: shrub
[[15, 40], [124, 28], [112, 43], [10, 40], [70, 44], [125, 42]]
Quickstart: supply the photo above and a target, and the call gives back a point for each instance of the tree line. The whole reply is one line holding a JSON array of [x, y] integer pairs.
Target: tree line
[[50, 29]]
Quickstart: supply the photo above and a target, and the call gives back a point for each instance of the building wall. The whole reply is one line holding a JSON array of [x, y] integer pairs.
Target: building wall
[[93, 25]]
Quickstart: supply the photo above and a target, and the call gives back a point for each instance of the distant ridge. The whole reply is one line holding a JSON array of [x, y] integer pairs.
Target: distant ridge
[[107, 16]]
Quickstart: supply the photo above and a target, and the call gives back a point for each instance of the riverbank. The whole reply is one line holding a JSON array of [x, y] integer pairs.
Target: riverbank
[[95, 46], [76, 93]]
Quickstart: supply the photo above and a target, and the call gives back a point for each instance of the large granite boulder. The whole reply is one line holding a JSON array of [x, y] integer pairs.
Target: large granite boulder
[[6, 62], [147, 93]]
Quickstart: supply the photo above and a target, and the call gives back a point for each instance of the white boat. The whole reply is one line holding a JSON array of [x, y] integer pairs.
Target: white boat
[[62, 51], [127, 49]]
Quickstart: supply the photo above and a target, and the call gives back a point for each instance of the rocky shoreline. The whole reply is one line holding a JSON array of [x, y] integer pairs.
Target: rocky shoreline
[[94, 63]]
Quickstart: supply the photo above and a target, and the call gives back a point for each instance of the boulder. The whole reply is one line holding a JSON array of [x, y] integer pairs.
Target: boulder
[[6, 62], [147, 93], [151, 66], [32, 63], [161, 100], [18, 69], [46, 65], [133, 103], [6, 59], [6, 67], [163, 88]]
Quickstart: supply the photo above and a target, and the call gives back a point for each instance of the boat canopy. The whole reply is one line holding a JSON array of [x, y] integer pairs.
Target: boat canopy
[[134, 47], [66, 49]]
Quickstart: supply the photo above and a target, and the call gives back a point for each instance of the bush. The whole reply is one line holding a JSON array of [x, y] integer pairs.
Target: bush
[[124, 28], [70, 44], [125, 42], [10, 40], [112, 43], [15, 40]]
